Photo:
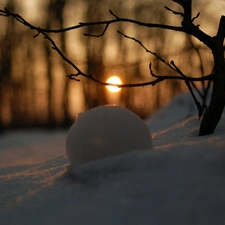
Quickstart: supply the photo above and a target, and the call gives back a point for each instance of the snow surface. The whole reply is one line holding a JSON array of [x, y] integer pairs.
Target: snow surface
[[181, 181], [104, 131]]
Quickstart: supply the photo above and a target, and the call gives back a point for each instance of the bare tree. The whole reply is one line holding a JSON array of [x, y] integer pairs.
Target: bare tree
[[215, 43]]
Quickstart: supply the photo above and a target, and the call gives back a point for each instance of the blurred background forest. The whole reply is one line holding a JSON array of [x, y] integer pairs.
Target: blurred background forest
[[34, 90]]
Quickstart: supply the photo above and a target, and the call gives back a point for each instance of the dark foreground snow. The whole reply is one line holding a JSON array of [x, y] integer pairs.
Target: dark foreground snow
[[181, 181]]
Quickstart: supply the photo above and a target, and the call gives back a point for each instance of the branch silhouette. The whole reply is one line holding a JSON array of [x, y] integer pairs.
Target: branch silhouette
[[213, 113], [74, 76]]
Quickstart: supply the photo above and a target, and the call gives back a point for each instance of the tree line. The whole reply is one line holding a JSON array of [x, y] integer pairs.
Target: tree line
[[33, 88]]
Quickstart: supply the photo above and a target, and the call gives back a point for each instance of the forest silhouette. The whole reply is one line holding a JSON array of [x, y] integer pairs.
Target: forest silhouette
[[34, 89]]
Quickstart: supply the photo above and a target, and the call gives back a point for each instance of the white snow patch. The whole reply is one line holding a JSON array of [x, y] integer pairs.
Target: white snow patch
[[104, 131], [181, 108]]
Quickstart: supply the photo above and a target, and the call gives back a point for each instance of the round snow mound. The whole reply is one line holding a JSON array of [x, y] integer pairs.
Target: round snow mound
[[105, 131]]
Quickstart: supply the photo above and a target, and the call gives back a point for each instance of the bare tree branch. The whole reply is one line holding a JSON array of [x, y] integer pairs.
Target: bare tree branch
[[168, 77], [186, 5], [173, 11], [172, 66], [148, 51], [78, 73], [189, 83], [195, 17], [187, 25], [215, 44], [117, 19], [98, 35]]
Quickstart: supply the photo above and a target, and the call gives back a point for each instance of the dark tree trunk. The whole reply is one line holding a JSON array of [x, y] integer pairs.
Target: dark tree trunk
[[213, 113]]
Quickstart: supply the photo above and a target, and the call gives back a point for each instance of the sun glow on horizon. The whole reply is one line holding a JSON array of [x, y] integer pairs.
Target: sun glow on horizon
[[114, 80]]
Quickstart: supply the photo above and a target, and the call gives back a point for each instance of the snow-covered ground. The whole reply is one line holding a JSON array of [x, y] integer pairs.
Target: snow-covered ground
[[180, 181]]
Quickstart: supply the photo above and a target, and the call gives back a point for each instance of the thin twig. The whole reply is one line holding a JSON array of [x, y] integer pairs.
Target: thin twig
[[97, 35], [173, 11], [148, 51], [195, 17], [188, 83]]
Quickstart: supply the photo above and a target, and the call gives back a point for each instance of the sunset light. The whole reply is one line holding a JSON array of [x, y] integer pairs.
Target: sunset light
[[114, 80]]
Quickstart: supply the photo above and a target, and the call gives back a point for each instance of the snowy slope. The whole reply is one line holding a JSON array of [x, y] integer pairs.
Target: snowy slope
[[181, 108], [181, 181]]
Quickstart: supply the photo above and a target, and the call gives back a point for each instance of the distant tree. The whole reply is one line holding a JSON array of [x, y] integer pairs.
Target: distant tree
[[213, 113]]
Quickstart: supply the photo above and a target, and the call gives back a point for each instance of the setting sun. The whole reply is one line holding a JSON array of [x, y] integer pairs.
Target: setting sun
[[113, 80]]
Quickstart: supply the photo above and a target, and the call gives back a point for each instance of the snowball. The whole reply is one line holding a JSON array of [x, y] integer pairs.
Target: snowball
[[105, 131]]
